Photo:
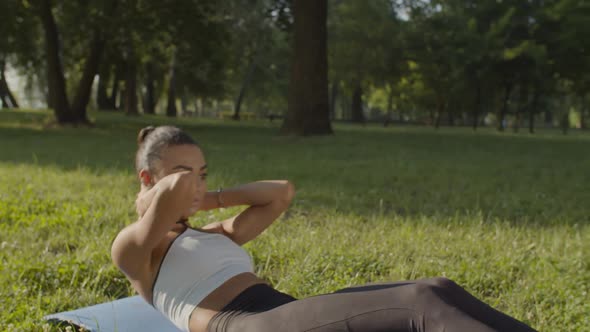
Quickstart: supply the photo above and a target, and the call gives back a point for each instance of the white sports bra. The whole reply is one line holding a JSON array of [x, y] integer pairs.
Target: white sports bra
[[195, 264]]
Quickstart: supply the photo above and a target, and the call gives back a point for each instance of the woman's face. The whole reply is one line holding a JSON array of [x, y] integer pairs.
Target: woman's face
[[178, 158]]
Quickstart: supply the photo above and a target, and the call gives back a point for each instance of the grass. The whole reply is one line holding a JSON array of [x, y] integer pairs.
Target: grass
[[504, 215]]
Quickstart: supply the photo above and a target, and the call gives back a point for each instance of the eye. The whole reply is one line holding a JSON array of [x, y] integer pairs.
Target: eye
[[204, 176]]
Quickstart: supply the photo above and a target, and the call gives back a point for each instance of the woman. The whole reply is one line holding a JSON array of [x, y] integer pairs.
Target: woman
[[203, 281]]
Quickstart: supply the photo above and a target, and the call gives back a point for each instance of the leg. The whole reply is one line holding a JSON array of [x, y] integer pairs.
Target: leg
[[476, 308], [460, 298], [404, 306]]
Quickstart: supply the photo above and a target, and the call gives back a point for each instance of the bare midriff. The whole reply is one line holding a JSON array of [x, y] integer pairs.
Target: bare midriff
[[213, 302]]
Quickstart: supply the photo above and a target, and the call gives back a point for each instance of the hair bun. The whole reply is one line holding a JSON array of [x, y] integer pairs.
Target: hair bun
[[143, 134]]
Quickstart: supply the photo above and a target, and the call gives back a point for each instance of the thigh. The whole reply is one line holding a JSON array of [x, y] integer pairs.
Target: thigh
[[369, 308]]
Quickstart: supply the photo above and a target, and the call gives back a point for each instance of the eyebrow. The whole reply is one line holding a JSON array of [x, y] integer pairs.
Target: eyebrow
[[188, 168]]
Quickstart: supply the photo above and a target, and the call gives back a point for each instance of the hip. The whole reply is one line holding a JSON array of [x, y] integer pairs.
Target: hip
[[219, 298]]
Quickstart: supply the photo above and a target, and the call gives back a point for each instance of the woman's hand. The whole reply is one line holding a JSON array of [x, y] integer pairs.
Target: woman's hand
[[182, 186], [144, 199]]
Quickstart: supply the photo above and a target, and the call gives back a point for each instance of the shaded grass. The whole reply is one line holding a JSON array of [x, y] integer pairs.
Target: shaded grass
[[506, 216]]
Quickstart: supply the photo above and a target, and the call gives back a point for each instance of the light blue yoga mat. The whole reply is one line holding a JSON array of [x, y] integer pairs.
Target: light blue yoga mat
[[131, 314]]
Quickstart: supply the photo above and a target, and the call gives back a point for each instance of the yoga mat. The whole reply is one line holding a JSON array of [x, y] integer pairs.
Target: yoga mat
[[131, 314]]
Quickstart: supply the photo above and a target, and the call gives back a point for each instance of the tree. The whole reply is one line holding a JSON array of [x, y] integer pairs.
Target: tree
[[172, 47], [56, 82], [74, 113], [308, 111], [565, 29], [364, 48], [17, 45], [434, 46], [6, 96]]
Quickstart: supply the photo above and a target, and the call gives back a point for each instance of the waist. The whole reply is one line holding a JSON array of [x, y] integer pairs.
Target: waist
[[217, 300], [254, 299]]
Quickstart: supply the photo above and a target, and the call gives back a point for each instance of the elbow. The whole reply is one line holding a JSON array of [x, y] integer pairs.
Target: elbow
[[288, 193]]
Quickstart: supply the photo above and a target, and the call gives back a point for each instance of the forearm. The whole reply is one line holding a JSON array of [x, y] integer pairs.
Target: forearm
[[258, 193], [144, 200], [266, 200]]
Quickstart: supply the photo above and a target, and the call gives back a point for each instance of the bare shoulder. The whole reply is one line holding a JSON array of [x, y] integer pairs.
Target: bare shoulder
[[128, 255]]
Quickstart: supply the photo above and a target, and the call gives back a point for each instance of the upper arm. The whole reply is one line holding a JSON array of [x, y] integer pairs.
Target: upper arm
[[127, 253], [174, 196], [132, 248], [153, 226]]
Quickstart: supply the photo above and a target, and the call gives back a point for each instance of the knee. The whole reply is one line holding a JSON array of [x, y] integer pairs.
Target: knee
[[433, 286], [423, 290], [444, 283]]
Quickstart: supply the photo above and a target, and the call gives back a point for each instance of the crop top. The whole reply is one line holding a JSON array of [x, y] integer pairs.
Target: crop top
[[195, 264]]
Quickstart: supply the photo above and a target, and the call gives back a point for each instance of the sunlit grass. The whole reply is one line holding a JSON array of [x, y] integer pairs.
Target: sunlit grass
[[505, 215]]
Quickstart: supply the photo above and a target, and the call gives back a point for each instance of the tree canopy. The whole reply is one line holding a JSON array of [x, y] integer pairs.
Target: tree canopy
[[441, 62]]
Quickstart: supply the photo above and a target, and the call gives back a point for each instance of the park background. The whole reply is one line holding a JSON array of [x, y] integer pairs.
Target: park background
[[425, 138]]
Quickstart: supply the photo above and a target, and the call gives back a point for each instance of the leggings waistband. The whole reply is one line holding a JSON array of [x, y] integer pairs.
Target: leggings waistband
[[254, 299]]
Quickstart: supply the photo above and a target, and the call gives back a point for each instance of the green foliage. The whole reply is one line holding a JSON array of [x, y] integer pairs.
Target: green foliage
[[470, 57], [18, 43], [506, 216], [364, 43]]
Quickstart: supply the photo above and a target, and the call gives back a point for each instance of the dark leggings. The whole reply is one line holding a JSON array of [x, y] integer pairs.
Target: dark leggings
[[436, 304]]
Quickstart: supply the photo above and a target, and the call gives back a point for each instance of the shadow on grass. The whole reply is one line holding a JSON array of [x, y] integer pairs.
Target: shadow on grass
[[409, 172]]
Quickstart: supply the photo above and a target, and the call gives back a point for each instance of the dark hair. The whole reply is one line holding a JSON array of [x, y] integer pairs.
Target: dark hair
[[153, 140]]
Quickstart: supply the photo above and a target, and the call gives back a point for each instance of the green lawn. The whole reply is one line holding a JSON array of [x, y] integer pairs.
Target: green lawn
[[505, 215]]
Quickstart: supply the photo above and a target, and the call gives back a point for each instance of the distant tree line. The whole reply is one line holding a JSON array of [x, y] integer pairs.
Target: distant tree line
[[451, 62]]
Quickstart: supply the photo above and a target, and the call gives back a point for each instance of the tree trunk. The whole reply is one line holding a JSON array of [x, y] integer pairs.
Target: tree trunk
[[533, 109], [116, 93], [451, 114], [171, 110], [475, 111], [523, 100], [504, 110], [582, 112], [345, 106], [3, 97], [184, 104], [82, 96], [5, 103], [565, 122], [131, 82], [437, 120], [245, 83], [199, 105], [548, 118], [333, 96], [308, 111], [57, 96], [564, 119], [389, 111], [440, 107], [357, 103], [102, 98], [149, 102], [6, 95], [432, 116], [517, 119]]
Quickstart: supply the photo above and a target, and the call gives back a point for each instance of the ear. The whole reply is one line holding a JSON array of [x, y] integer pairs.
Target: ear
[[145, 177]]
